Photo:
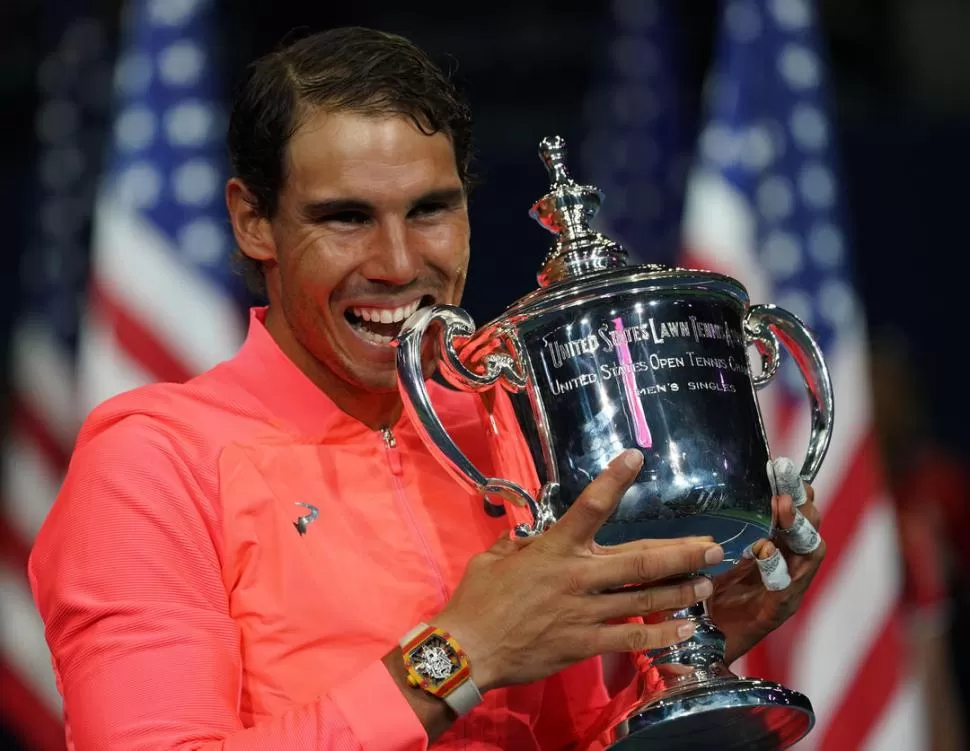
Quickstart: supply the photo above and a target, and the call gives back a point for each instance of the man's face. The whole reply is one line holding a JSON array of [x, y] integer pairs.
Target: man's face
[[372, 223]]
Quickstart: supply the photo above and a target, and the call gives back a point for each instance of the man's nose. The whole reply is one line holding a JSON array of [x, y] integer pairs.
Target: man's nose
[[393, 259]]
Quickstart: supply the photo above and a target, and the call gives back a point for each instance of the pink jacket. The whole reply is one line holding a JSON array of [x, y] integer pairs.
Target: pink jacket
[[184, 610]]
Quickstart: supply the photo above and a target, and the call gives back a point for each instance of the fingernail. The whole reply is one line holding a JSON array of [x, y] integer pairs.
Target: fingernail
[[758, 547], [632, 458], [767, 550], [703, 588], [685, 630], [714, 555]]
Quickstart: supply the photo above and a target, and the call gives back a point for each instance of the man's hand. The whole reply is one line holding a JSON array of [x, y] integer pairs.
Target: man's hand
[[764, 590], [527, 609]]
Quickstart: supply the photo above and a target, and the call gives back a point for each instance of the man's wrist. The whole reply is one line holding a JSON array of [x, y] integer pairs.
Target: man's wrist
[[434, 714], [477, 653], [739, 641]]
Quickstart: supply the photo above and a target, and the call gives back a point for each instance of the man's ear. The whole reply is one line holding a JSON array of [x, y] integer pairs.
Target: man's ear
[[252, 230]]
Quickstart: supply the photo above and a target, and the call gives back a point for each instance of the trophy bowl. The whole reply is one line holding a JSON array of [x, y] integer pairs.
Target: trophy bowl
[[606, 356]]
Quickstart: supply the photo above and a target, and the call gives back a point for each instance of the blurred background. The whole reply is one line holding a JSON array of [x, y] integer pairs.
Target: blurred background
[[817, 152]]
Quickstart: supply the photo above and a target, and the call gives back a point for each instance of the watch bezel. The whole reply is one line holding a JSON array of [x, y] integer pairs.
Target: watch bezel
[[441, 639]]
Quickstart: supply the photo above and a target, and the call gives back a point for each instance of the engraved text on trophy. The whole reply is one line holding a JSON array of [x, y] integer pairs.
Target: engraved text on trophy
[[660, 345]]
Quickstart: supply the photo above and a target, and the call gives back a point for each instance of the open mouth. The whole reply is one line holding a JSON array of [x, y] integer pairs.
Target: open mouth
[[381, 325]]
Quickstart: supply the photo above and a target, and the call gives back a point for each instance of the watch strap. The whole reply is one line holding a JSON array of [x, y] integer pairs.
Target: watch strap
[[464, 697]]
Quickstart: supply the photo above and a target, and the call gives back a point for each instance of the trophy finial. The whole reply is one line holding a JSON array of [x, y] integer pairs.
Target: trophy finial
[[552, 151], [566, 211]]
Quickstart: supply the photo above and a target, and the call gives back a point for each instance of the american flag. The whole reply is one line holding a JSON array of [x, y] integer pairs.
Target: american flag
[[762, 204], [157, 300], [73, 86], [164, 303]]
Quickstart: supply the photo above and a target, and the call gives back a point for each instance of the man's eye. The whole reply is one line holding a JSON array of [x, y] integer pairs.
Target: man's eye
[[346, 217], [425, 209]]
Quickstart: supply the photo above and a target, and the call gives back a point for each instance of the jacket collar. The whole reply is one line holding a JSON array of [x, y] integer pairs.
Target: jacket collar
[[291, 398]]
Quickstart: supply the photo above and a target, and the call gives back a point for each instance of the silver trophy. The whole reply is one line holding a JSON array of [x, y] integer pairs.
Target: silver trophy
[[606, 356]]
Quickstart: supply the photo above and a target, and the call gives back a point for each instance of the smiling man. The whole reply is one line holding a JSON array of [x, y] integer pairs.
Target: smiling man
[[266, 557], [370, 222]]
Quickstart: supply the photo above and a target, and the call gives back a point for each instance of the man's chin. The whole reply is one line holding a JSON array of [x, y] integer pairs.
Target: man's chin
[[385, 381], [379, 375]]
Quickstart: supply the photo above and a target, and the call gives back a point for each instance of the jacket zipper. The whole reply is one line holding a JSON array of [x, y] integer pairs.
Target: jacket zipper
[[394, 462]]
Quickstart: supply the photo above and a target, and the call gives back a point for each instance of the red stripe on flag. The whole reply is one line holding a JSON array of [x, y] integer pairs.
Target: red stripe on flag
[[33, 429], [869, 691], [14, 549], [785, 412], [758, 662], [858, 491], [27, 715], [691, 259], [28, 427], [860, 488], [137, 340]]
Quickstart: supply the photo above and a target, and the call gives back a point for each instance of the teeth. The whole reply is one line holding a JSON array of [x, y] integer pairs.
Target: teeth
[[386, 315], [372, 337], [410, 309]]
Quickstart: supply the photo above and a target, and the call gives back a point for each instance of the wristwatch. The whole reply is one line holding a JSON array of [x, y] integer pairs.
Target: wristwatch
[[437, 664]]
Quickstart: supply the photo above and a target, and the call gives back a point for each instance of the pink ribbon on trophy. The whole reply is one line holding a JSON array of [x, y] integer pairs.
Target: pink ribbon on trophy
[[640, 427]]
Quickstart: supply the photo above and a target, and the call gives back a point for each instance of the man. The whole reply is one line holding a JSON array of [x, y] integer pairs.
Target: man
[[235, 562]]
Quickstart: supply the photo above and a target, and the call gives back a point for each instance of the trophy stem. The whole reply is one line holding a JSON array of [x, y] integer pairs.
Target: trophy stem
[[698, 659], [685, 698]]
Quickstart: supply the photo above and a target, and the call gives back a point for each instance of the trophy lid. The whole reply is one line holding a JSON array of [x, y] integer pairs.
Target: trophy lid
[[566, 211], [583, 262]]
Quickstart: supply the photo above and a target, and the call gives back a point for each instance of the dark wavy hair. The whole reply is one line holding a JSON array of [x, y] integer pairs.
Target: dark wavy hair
[[346, 69]]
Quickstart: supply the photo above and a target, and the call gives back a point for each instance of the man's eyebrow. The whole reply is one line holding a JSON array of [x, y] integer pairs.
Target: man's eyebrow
[[315, 209], [328, 206], [448, 196]]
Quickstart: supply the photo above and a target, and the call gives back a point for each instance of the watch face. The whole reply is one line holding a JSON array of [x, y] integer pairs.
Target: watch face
[[435, 660]]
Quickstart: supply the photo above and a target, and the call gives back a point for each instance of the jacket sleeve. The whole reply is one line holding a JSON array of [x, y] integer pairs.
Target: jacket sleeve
[[126, 575]]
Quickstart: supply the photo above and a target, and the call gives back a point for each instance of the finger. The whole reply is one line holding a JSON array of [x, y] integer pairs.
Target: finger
[[612, 571], [784, 508], [771, 565], [595, 504], [759, 549], [640, 637], [640, 602], [638, 546], [508, 543], [800, 536], [770, 471], [810, 512], [787, 481]]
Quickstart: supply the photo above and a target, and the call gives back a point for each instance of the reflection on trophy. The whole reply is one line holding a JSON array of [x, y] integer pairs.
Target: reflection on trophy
[[606, 356]]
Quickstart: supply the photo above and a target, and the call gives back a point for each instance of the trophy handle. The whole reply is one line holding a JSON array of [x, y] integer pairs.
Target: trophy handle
[[456, 323], [765, 326]]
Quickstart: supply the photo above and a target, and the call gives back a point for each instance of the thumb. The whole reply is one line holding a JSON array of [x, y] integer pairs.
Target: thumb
[[508, 543]]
